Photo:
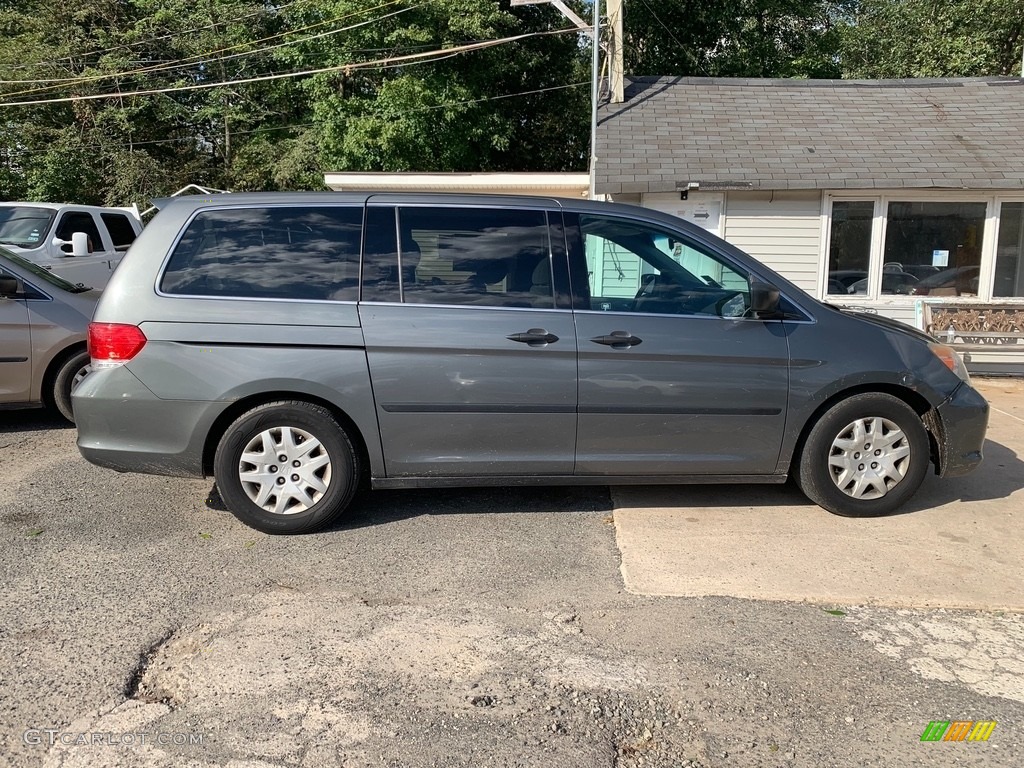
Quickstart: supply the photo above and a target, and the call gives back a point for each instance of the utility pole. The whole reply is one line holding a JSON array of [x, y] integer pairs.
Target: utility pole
[[594, 95], [616, 46], [613, 48], [614, 52]]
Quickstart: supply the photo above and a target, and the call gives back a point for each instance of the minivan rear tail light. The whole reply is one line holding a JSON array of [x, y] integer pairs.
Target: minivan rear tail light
[[113, 344]]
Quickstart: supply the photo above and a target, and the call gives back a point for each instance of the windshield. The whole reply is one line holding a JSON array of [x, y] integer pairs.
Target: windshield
[[41, 273], [24, 226]]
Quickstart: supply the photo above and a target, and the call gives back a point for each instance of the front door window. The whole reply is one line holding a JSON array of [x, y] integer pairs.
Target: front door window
[[636, 267]]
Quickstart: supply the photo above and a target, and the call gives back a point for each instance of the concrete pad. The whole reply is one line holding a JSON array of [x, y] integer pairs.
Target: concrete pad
[[959, 543]]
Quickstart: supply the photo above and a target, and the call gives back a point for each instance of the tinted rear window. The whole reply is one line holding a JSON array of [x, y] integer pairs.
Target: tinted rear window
[[494, 257], [269, 253]]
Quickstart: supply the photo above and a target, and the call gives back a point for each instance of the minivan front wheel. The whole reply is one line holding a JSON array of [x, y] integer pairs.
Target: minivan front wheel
[[286, 467], [865, 457]]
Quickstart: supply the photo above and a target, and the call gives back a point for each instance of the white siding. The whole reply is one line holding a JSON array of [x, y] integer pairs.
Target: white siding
[[781, 230]]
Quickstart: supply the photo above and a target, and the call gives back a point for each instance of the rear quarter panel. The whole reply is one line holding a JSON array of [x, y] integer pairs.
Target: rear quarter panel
[[243, 349]]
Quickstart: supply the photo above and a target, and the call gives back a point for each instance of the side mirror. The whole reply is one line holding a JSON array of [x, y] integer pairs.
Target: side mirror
[[78, 245], [9, 286], [764, 301]]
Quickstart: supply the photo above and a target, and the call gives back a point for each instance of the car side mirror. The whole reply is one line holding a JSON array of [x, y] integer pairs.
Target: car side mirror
[[9, 287], [79, 244], [764, 301]]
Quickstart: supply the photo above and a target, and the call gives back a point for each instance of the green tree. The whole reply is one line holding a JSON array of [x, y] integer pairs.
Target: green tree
[[733, 38], [484, 110], [923, 38], [127, 149]]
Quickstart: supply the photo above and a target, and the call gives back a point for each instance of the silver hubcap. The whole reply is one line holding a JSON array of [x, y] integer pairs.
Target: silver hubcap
[[80, 374], [285, 470], [869, 458]]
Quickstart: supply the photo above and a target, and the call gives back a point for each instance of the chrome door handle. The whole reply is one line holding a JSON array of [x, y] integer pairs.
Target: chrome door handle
[[535, 337], [618, 340]]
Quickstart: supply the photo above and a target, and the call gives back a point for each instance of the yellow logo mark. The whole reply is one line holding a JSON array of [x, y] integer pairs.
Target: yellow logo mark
[[982, 730]]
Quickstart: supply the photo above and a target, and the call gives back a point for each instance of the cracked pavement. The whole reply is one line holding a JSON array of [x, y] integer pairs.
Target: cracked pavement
[[441, 628]]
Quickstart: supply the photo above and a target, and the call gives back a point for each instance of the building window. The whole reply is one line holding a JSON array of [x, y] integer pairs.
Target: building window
[[929, 247], [933, 249], [1009, 280], [849, 252]]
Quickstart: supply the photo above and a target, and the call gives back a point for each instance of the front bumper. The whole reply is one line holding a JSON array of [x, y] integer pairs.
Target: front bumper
[[963, 420]]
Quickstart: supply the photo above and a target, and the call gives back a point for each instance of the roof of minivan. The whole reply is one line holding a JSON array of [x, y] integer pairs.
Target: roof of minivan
[[194, 202], [186, 204]]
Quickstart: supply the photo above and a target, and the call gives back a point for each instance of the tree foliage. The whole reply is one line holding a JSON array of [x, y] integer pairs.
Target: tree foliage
[[442, 114], [492, 109], [362, 104], [924, 38], [733, 38]]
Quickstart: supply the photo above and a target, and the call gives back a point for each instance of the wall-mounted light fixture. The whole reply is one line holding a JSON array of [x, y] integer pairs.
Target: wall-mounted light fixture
[[691, 186]]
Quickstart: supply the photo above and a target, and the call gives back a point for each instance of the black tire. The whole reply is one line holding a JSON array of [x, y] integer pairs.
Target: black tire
[[835, 437], [68, 375], [274, 425]]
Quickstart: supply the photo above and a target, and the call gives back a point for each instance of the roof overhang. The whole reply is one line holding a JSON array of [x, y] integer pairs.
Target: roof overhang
[[540, 184]]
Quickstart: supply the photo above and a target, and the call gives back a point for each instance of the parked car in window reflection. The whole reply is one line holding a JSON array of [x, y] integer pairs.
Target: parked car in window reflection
[[892, 282], [958, 281]]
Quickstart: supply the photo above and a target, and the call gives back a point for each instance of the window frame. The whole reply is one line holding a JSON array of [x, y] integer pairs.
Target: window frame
[[986, 278], [1001, 200]]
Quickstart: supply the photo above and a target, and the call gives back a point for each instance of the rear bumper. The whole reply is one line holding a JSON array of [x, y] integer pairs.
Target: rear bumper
[[123, 426], [964, 420]]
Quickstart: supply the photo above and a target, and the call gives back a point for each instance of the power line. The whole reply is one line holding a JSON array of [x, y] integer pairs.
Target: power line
[[290, 126], [181, 33], [416, 58], [672, 35], [207, 58], [497, 98]]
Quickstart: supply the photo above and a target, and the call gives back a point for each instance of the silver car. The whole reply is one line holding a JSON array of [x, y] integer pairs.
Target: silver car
[[292, 345], [43, 323]]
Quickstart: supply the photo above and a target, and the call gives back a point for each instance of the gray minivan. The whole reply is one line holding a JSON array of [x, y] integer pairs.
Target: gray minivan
[[292, 345]]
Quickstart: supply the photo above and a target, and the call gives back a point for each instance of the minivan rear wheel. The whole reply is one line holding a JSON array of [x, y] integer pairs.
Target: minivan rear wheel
[[865, 457], [286, 467]]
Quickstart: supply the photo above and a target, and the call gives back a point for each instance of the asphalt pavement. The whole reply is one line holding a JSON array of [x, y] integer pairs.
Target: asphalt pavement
[[142, 625]]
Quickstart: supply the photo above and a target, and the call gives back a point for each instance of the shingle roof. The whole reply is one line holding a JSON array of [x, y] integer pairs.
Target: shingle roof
[[812, 134]]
